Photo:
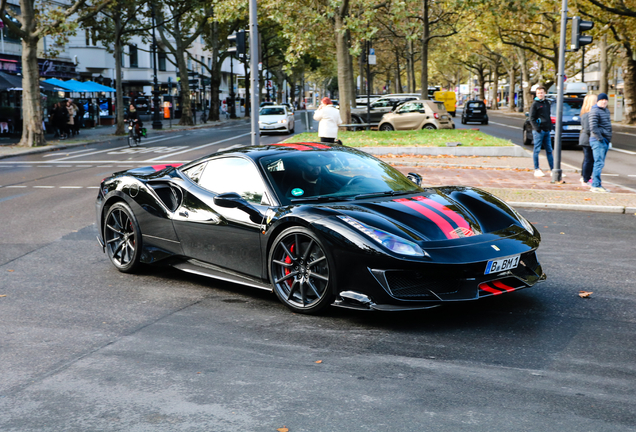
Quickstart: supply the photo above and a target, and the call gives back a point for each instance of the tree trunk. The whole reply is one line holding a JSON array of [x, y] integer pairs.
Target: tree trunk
[[629, 77], [512, 76], [351, 88], [342, 56], [494, 89], [425, 40], [525, 80], [398, 74], [119, 86], [32, 132], [184, 78], [604, 78], [362, 90]]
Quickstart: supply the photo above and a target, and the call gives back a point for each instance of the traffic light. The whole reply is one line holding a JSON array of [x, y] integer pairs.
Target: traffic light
[[578, 27], [238, 40]]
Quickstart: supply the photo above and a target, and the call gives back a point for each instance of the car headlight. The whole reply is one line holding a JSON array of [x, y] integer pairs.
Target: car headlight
[[392, 242], [282, 121]]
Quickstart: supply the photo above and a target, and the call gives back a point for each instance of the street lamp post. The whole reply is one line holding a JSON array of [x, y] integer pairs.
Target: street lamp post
[[156, 120]]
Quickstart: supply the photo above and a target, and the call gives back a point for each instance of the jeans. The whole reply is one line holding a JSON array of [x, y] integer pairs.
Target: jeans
[[599, 150], [542, 139], [588, 163]]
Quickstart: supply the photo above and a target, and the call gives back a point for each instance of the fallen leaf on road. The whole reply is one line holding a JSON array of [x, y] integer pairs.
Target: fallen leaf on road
[[562, 233], [10, 270], [283, 429], [3, 295], [319, 361], [585, 294], [587, 199]]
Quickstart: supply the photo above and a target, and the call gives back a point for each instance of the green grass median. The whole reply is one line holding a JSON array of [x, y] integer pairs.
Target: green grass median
[[413, 138]]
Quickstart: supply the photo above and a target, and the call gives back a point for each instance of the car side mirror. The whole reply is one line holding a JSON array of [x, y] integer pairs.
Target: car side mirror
[[234, 200], [415, 178]]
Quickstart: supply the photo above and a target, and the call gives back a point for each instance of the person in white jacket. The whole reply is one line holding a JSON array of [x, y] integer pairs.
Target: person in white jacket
[[329, 119]]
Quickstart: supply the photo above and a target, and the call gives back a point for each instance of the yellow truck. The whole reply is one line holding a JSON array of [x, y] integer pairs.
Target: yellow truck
[[449, 99]]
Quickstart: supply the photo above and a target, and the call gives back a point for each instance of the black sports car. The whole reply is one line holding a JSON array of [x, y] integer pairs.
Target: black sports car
[[318, 225]]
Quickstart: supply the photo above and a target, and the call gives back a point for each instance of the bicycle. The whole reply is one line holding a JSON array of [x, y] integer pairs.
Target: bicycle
[[134, 133]]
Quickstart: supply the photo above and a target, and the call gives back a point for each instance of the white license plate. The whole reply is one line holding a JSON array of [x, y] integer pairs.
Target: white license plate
[[572, 127], [496, 266], [476, 111]]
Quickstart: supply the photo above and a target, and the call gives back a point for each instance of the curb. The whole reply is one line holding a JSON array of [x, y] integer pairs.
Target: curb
[[514, 151], [445, 165], [578, 207]]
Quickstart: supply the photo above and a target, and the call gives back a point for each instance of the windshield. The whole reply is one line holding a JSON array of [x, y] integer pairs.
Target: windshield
[[570, 108], [272, 111], [332, 174]]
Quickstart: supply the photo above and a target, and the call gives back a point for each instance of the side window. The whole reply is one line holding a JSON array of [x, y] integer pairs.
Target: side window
[[381, 103], [233, 174], [410, 107]]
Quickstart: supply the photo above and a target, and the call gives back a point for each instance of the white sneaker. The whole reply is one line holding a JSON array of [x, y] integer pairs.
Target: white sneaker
[[539, 173], [599, 189], [584, 183]]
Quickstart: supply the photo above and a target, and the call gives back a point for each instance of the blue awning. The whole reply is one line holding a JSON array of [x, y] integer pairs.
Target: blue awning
[[80, 87]]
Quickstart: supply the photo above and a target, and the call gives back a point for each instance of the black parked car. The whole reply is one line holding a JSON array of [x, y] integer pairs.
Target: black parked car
[[571, 123], [475, 111], [318, 225]]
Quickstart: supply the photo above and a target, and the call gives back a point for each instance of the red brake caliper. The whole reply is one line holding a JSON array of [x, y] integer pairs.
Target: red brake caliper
[[288, 261]]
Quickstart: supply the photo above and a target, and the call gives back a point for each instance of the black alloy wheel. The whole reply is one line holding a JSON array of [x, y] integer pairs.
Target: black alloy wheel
[[122, 237], [300, 271], [386, 127]]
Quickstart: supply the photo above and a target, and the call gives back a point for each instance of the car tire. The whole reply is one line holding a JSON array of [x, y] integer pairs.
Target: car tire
[[429, 126], [463, 120], [453, 113], [301, 271], [122, 238], [356, 120], [485, 122], [131, 141], [527, 137], [386, 127]]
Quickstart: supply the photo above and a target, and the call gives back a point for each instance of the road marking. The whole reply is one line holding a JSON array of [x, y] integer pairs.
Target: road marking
[[44, 187], [200, 147], [92, 187], [612, 175], [15, 187], [503, 124], [83, 166], [631, 175], [71, 187], [623, 151], [91, 153], [68, 154]]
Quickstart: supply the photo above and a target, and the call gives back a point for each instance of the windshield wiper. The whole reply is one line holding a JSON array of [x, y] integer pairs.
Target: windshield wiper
[[381, 194], [320, 198]]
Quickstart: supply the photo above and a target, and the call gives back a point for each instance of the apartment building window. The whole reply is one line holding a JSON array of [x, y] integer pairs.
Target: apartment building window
[[162, 60], [91, 37], [189, 64], [134, 59]]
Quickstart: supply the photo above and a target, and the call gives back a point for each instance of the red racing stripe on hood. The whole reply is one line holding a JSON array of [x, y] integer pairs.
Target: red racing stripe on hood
[[294, 146], [160, 167], [438, 220], [454, 216]]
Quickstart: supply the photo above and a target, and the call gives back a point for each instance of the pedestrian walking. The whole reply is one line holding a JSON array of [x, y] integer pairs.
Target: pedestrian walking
[[600, 139], [541, 127], [61, 120], [79, 118], [329, 119], [584, 140], [71, 108]]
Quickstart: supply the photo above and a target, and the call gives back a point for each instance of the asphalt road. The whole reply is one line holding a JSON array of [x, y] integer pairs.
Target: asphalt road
[[620, 164], [84, 347]]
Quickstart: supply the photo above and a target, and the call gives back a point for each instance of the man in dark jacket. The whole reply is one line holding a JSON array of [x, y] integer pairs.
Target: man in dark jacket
[[541, 127], [600, 139]]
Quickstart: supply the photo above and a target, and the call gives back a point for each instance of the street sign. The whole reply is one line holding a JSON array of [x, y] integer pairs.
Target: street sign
[[372, 58]]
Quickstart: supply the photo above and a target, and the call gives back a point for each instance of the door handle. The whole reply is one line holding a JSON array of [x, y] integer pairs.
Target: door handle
[[183, 213]]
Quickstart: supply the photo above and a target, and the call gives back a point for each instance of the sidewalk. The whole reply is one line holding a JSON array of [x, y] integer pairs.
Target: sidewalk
[[510, 178], [8, 147]]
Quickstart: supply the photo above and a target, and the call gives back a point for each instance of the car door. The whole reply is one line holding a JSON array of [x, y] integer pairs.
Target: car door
[[408, 116], [379, 108], [226, 237]]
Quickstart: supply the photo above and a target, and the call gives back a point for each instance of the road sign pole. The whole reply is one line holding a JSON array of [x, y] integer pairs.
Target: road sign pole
[[557, 175], [254, 66]]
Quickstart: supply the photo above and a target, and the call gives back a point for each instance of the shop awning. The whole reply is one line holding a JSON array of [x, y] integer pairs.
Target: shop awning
[[79, 86]]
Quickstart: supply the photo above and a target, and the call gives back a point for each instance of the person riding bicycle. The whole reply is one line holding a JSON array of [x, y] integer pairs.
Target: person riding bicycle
[[133, 115]]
